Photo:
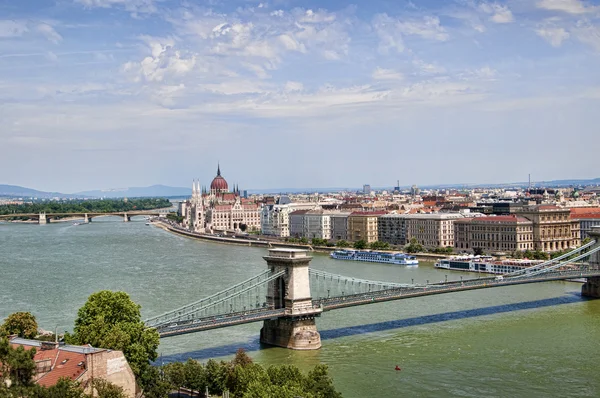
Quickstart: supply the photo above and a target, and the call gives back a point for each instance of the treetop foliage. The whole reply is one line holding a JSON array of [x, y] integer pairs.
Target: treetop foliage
[[22, 324], [87, 206]]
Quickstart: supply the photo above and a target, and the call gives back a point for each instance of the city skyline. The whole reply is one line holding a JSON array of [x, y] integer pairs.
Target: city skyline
[[104, 93]]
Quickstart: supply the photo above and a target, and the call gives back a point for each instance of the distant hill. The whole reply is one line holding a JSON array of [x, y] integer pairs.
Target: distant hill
[[137, 192], [22, 192]]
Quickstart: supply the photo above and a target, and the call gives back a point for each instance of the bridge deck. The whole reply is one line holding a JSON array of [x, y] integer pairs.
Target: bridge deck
[[216, 322], [338, 302]]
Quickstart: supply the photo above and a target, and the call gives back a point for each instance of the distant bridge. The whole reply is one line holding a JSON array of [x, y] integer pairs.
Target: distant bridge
[[289, 295], [44, 218]]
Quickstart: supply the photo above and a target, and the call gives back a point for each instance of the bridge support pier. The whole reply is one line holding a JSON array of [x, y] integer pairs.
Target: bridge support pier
[[126, 218], [591, 288], [297, 329], [86, 219], [42, 219]]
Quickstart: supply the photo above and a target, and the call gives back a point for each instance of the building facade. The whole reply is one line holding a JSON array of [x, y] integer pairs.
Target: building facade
[[339, 225], [553, 228], [363, 226], [432, 230], [493, 234], [392, 229], [275, 218], [218, 209]]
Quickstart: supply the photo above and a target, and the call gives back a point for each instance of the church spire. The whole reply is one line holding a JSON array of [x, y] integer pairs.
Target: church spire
[[218, 169]]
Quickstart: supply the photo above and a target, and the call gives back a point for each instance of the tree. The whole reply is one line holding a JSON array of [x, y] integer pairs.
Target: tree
[[342, 243], [175, 374], [360, 245], [20, 323], [377, 245], [320, 383], [106, 389], [413, 246], [16, 364], [112, 320]]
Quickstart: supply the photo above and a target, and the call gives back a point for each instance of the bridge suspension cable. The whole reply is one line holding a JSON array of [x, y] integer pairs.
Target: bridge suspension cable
[[203, 303], [326, 284], [545, 264], [558, 265]]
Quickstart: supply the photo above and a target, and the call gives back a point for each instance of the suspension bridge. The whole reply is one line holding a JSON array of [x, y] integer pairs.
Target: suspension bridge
[[289, 295]]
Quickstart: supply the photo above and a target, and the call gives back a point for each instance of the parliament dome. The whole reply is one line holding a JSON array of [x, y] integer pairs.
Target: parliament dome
[[218, 183]]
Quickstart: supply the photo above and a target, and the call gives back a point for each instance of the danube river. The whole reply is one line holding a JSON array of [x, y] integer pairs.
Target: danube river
[[539, 340]]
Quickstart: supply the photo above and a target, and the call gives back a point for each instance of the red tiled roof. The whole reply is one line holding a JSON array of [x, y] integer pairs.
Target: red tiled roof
[[67, 365], [584, 210], [587, 216], [508, 218], [368, 213]]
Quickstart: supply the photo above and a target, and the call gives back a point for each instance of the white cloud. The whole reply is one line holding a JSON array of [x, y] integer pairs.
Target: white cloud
[[554, 36], [428, 28], [164, 62], [319, 16], [257, 69], [49, 32], [483, 74], [425, 68], [568, 6], [134, 6], [386, 74], [390, 37], [499, 13], [588, 34], [293, 86], [9, 28]]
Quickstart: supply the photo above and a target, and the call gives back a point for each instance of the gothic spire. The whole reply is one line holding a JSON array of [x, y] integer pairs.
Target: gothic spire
[[218, 169]]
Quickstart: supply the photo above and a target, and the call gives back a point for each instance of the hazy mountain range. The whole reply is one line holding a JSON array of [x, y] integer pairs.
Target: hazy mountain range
[[167, 191]]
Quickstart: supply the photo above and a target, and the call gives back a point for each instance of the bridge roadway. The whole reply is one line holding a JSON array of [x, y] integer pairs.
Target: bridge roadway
[[338, 302], [155, 212]]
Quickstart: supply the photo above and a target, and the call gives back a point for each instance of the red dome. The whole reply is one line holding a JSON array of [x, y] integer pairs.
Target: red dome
[[218, 183]]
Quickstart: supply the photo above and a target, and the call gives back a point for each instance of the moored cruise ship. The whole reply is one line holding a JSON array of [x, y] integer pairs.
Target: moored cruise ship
[[375, 257], [485, 264]]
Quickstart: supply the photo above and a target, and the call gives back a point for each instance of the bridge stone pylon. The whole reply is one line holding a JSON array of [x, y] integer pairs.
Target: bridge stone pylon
[[297, 328], [591, 288], [42, 219]]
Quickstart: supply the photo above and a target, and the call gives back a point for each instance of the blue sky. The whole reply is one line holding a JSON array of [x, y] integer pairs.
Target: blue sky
[[116, 93]]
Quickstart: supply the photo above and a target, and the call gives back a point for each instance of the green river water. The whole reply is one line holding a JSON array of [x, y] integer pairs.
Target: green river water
[[538, 340]]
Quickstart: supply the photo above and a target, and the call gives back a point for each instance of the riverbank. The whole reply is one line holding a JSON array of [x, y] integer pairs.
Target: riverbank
[[252, 241]]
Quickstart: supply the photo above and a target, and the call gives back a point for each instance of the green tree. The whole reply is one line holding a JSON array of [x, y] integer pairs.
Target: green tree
[[303, 240], [20, 323], [342, 243], [320, 383], [175, 374], [195, 375], [377, 245], [112, 320], [65, 388], [216, 375], [105, 389], [16, 364], [413, 246], [360, 245]]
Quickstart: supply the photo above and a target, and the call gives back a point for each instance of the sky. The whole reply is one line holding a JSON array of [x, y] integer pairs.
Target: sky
[[98, 94]]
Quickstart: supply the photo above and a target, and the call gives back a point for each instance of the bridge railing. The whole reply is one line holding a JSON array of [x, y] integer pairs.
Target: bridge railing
[[207, 301], [551, 261]]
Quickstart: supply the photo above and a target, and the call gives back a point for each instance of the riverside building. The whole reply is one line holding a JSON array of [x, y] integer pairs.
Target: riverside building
[[493, 234], [219, 209], [553, 228]]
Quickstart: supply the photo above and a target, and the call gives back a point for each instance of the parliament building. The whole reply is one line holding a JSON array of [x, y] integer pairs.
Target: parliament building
[[218, 209]]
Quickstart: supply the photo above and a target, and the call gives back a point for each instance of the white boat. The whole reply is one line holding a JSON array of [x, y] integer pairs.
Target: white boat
[[375, 257], [484, 264]]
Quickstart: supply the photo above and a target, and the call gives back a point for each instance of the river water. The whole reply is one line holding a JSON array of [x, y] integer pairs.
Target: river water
[[538, 340]]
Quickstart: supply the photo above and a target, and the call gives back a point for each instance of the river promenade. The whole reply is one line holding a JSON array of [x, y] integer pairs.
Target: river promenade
[[253, 241]]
